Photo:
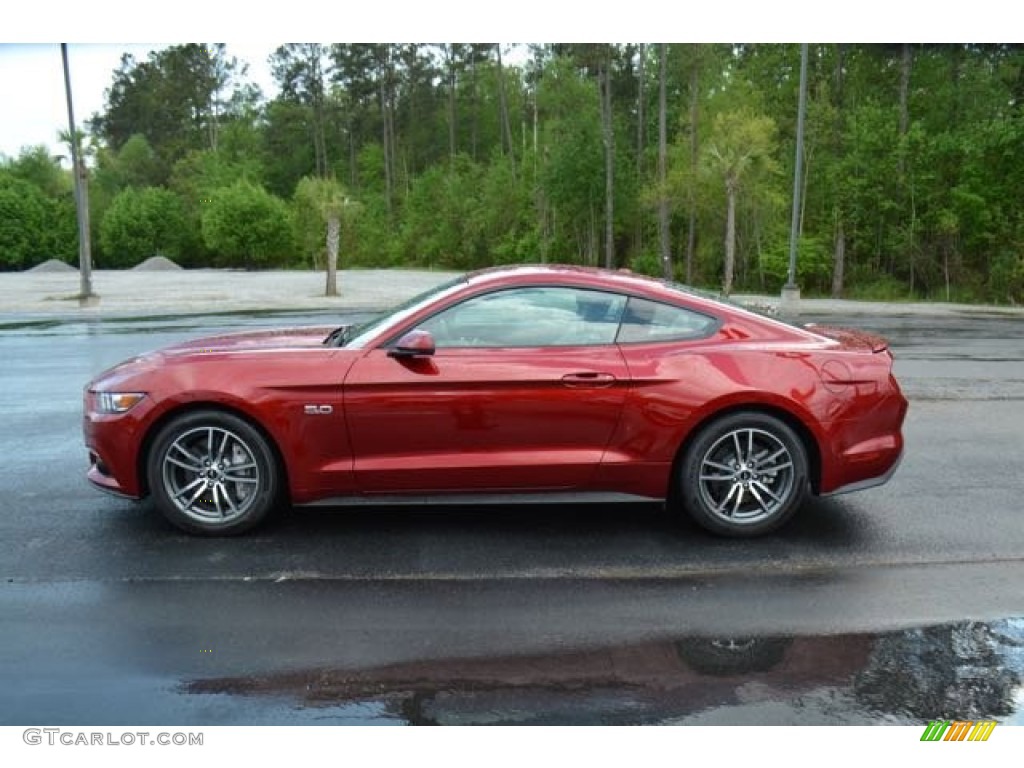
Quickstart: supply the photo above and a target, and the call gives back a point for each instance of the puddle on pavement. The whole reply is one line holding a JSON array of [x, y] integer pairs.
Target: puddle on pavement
[[963, 671], [30, 325]]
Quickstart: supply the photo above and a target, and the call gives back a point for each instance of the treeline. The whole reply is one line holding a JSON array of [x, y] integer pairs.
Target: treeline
[[668, 159]]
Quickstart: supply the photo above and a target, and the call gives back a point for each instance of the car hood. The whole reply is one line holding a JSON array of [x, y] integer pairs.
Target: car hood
[[126, 374], [282, 338]]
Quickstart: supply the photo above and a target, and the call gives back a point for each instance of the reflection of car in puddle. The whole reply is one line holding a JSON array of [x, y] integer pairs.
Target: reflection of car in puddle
[[733, 655], [969, 670], [647, 682]]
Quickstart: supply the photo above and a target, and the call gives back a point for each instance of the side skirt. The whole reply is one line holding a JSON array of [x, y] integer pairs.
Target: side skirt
[[496, 499]]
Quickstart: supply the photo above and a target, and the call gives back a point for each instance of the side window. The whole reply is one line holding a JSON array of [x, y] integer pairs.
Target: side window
[[529, 317], [652, 321]]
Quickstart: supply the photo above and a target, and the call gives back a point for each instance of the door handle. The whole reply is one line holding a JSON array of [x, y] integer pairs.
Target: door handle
[[588, 379]]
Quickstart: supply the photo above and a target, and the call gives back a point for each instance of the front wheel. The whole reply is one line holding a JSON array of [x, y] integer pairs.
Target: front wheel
[[744, 475], [212, 473]]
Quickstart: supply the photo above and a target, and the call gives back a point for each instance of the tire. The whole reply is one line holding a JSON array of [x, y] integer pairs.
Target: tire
[[211, 473], [723, 657], [744, 475]]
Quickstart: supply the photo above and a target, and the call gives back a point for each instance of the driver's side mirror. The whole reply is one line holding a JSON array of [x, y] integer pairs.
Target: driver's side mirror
[[416, 343]]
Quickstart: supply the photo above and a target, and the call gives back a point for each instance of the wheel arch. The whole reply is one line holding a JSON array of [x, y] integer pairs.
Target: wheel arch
[[790, 419], [193, 406]]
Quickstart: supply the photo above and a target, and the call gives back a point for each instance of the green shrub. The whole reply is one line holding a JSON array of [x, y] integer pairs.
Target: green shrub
[[647, 263], [34, 227], [246, 226], [141, 223], [1006, 279], [813, 265], [880, 288]]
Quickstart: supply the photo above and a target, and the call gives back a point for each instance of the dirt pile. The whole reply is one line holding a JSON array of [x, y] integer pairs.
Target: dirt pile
[[156, 264], [52, 265]]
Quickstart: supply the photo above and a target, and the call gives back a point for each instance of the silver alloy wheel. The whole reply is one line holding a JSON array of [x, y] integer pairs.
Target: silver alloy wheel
[[211, 474], [746, 476]]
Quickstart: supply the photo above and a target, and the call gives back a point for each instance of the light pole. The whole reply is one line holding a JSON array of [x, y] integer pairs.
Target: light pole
[[85, 297], [791, 291]]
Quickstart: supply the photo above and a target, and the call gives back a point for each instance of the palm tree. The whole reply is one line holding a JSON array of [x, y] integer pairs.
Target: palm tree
[[333, 208], [741, 145], [327, 204]]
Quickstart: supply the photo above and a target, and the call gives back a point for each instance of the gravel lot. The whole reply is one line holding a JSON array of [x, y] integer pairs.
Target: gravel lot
[[142, 292]]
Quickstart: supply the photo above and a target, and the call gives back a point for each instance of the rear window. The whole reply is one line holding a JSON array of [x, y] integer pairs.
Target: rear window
[[646, 320], [770, 313]]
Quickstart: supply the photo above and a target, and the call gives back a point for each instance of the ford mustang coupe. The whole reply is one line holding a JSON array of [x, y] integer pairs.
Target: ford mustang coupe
[[508, 384]]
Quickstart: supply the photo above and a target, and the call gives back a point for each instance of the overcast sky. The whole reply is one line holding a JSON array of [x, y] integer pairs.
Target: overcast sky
[[32, 85]]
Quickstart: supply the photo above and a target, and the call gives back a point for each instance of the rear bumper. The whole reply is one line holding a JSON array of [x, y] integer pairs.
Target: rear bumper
[[865, 451], [870, 482]]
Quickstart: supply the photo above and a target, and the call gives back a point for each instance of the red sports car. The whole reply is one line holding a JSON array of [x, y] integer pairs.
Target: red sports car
[[509, 384]]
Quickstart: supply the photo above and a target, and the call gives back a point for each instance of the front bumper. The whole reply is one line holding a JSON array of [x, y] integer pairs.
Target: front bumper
[[104, 482], [114, 442]]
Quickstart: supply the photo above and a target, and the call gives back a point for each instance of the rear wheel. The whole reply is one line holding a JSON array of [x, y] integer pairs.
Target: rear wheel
[[732, 655], [212, 473], [744, 475]]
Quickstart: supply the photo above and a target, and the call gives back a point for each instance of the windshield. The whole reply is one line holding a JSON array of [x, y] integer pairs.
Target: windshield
[[358, 336]]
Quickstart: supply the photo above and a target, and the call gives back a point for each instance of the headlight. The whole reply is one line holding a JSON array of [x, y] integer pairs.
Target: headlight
[[116, 402]]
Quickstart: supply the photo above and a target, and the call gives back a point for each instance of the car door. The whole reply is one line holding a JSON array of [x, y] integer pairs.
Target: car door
[[523, 392]]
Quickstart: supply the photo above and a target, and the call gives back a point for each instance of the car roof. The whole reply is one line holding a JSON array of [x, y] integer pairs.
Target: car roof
[[621, 279], [629, 282]]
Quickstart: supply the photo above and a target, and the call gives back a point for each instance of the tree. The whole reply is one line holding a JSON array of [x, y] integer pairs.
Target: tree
[[664, 250], [839, 253], [199, 173], [354, 73], [247, 226], [597, 59], [696, 61], [287, 152], [914, 156], [197, 177], [573, 171], [37, 210], [23, 220], [641, 135], [386, 85], [439, 216], [136, 165], [740, 147], [452, 54], [320, 204], [299, 70], [506, 130], [175, 99], [608, 139], [37, 167], [418, 119], [479, 54]]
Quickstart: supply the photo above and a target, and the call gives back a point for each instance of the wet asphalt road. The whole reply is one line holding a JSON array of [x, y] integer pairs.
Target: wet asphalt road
[[506, 614]]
